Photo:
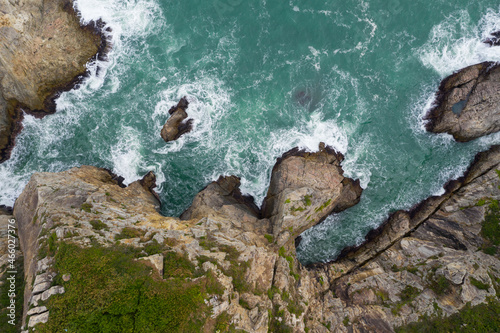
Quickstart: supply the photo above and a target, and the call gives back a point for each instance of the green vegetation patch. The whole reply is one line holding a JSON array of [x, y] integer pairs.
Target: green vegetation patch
[[98, 225], [323, 206], [491, 225], [129, 232], [270, 238], [480, 318], [478, 284], [18, 297], [237, 270], [407, 295], [86, 207], [110, 291], [439, 285]]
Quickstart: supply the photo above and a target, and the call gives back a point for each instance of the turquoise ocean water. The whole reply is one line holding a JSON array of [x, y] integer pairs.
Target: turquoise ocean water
[[263, 77]]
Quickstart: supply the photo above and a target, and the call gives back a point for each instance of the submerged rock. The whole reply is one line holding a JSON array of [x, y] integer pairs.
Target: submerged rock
[[305, 188], [43, 50], [467, 104], [175, 125]]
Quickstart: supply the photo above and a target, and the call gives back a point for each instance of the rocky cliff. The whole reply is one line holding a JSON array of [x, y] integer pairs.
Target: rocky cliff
[[43, 51], [241, 262], [98, 256]]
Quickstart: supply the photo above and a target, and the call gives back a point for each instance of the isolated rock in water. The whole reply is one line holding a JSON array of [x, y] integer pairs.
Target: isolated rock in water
[[494, 40], [175, 125], [305, 188], [467, 104], [43, 50]]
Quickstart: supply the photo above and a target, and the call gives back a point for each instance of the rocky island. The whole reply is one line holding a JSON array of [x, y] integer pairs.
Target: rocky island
[[99, 257]]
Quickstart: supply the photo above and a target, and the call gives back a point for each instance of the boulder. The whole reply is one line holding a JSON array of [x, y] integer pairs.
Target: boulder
[[467, 104], [175, 125], [305, 188]]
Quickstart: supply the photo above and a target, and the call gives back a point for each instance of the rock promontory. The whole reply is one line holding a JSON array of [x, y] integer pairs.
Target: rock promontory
[[43, 51], [305, 188], [467, 103]]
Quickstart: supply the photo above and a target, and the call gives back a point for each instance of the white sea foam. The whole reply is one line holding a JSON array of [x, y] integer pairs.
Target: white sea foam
[[126, 156], [209, 99], [457, 42]]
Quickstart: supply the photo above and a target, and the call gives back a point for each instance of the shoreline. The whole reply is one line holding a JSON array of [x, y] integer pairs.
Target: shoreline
[[15, 109]]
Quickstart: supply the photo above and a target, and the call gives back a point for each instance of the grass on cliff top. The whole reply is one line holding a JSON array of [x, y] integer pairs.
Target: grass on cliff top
[[484, 318], [5, 326], [490, 229], [110, 291]]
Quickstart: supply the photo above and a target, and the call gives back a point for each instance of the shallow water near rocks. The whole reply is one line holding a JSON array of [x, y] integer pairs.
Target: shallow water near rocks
[[263, 77]]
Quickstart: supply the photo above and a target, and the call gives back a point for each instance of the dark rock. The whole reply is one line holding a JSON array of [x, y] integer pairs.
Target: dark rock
[[4, 210], [467, 104], [175, 125], [149, 183], [494, 40]]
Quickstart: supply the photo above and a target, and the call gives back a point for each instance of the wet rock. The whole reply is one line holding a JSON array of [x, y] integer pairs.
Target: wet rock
[[494, 39], [467, 104], [305, 188], [175, 125]]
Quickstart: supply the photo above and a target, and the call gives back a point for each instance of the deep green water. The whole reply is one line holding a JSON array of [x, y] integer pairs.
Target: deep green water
[[261, 78]]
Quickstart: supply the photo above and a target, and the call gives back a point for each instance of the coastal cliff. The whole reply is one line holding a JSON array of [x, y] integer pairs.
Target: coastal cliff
[[234, 268], [43, 51], [97, 256]]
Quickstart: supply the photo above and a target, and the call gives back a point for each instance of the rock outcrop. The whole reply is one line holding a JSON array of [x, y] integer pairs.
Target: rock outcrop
[[222, 233], [175, 125], [440, 241], [43, 51], [424, 261], [494, 39], [305, 188], [467, 104]]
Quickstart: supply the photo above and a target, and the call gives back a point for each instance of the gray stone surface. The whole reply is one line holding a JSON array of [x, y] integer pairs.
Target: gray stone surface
[[468, 103]]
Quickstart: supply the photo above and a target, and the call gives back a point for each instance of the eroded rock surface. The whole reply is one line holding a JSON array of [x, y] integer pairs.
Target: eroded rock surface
[[305, 188], [467, 104], [419, 262], [175, 125], [43, 49]]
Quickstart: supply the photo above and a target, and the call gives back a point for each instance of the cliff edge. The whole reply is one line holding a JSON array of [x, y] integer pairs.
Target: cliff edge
[[43, 51]]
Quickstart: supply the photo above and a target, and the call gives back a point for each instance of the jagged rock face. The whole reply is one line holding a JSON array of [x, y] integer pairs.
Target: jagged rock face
[[387, 282], [175, 125], [64, 198], [224, 198], [305, 188], [468, 103], [439, 240], [42, 50]]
